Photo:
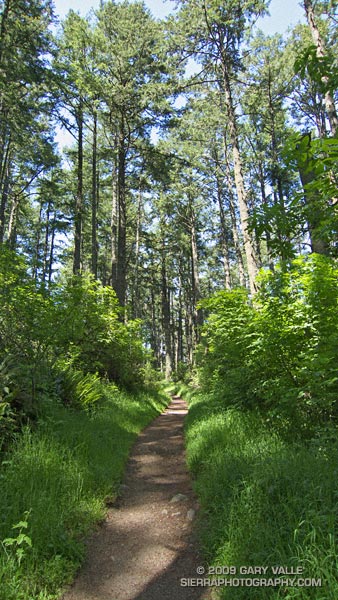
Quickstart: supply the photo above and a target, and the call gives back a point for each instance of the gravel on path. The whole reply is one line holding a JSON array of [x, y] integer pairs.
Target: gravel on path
[[147, 543]]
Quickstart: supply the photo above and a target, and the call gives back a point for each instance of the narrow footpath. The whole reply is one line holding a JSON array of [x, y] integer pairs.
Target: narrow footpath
[[147, 544]]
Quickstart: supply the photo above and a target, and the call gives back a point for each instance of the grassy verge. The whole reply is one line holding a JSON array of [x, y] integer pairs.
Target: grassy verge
[[263, 502], [53, 489]]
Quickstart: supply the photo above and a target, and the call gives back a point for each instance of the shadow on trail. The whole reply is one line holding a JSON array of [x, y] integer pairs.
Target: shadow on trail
[[167, 586]]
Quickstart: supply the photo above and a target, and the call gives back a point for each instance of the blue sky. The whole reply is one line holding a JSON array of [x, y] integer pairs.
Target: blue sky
[[283, 12]]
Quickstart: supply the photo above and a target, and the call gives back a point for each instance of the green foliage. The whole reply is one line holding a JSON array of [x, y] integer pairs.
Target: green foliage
[[21, 542], [321, 69], [280, 354], [298, 341], [263, 501], [58, 476], [76, 326], [217, 28], [92, 337], [25, 340], [60, 345], [224, 341], [78, 389]]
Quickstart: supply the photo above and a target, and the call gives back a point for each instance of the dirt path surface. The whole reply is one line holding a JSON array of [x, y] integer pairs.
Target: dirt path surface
[[147, 543]]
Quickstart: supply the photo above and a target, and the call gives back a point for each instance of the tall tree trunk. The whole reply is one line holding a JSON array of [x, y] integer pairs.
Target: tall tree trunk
[[224, 227], [321, 52], [232, 211], [249, 247], [276, 179], [36, 253], [189, 334], [77, 261], [46, 244], [173, 331], [3, 111], [3, 26], [165, 295], [51, 251], [113, 224], [155, 333], [180, 347], [4, 194], [94, 197], [195, 282], [265, 203], [11, 229], [136, 283], [121, 282]]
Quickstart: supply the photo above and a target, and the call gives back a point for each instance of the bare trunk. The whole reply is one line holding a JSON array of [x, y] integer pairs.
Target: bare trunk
[[197, 318], [113, 227], [3, 26], [173, 332], [267, 232], [37, 244], [46, 245], [94, 198], [166, 317], [232, 210], [121, 284], [11, 230], [4, 195], [136, 283], [77, 261], [51, 252], [189, 335], [180, 350], [224, 232], [276, 180], [155, 334], [240, 188]]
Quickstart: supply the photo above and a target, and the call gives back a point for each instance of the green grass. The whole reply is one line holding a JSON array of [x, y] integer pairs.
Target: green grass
[[55, 481], [263, 501]]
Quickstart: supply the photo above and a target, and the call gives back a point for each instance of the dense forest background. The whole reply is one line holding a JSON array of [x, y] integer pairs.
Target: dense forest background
[[189, 230], [176, 187]]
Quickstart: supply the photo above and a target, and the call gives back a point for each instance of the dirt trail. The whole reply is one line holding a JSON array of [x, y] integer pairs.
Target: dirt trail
[[147, 543]]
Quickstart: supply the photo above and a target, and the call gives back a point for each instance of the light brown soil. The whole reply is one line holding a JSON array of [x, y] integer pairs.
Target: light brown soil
[[147, 543]]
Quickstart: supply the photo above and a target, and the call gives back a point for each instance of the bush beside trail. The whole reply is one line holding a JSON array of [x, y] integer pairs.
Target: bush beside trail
[[261, 431], [278, 354]]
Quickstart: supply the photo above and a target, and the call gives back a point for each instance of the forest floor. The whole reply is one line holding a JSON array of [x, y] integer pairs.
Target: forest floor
[[147, 542]]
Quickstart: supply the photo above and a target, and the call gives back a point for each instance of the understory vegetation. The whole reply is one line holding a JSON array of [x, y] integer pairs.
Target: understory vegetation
[[264, 501], [261, 431], [278, 354], [60, 343]]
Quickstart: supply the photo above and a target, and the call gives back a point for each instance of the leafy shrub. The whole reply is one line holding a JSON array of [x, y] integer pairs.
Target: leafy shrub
[[279, 355], [91, 334], [61, 341], [298, 329], [25, 333]]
